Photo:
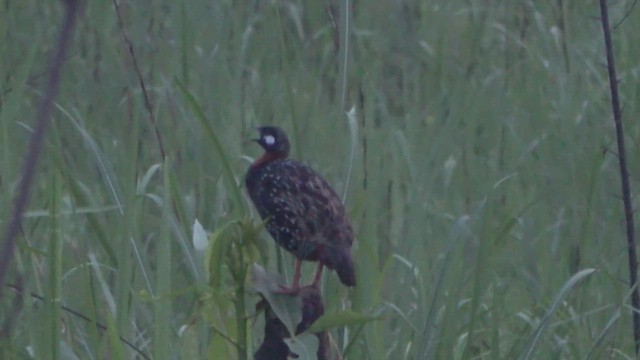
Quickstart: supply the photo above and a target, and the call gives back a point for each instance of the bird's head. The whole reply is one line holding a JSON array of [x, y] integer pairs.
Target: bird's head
[[274, 141]]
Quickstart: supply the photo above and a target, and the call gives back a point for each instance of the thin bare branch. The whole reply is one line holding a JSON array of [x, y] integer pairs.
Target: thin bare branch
[[37, 137], [624, 174], [20, 292], [626, 15], [147, 100]]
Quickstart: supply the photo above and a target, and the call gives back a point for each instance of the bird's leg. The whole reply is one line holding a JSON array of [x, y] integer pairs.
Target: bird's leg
[[295, 286], [296, 275], [318, 275]]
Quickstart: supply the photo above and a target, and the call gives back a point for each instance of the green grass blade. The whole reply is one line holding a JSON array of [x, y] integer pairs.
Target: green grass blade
[[353, 131], [162, 302], [533, 341], [430, 327], [596, 348], [55, 272], [217, 145]]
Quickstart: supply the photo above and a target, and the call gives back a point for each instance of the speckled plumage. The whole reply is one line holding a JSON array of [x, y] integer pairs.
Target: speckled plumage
[[303, 213]]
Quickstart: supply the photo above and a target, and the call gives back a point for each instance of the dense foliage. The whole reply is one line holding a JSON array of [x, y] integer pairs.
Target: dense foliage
[[483, 185]]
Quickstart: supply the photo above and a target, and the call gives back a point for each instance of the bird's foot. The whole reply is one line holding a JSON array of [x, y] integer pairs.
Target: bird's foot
[[288, 290], [295, 290]]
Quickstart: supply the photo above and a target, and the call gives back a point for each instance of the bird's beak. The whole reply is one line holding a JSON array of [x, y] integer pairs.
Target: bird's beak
[[248, 140], [258, 129]]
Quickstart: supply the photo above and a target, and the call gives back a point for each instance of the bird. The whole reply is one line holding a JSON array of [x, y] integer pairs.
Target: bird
[[302, 212]]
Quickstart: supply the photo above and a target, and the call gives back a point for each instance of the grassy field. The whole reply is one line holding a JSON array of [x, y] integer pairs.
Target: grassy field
[[478, 162]]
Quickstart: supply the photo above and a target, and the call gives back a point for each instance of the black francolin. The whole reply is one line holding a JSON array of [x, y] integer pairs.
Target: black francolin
[[303, 213]]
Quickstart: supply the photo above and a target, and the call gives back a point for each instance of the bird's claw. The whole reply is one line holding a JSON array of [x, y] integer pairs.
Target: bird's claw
[[288, 290]]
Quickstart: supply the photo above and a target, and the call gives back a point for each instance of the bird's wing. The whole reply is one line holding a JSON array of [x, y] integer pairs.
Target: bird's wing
[[302, 211], [325, 214]]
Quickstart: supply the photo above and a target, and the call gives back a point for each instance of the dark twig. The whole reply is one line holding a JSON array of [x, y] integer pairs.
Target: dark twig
[[624, 175], [147, 100], [16, 307], [363, 127], [626, 15], [101, 327], [37, 138]]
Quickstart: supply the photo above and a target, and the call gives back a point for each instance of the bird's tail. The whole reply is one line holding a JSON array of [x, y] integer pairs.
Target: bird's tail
[[342, 262]]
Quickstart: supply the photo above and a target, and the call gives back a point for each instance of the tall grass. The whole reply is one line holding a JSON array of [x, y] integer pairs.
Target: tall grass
[[483, 188]]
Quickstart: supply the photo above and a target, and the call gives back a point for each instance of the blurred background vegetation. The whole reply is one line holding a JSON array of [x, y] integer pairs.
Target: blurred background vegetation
[[484, 187]]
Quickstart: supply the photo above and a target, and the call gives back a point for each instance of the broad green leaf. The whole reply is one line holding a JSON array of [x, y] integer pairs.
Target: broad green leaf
[[200, 239], [287, 307], [214, 258], [304, 345]]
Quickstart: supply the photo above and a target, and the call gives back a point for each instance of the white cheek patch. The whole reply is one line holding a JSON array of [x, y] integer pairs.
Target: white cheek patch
[[269, 140]]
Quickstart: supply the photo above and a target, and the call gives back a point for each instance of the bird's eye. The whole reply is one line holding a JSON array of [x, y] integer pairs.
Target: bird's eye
[[269, 140]]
